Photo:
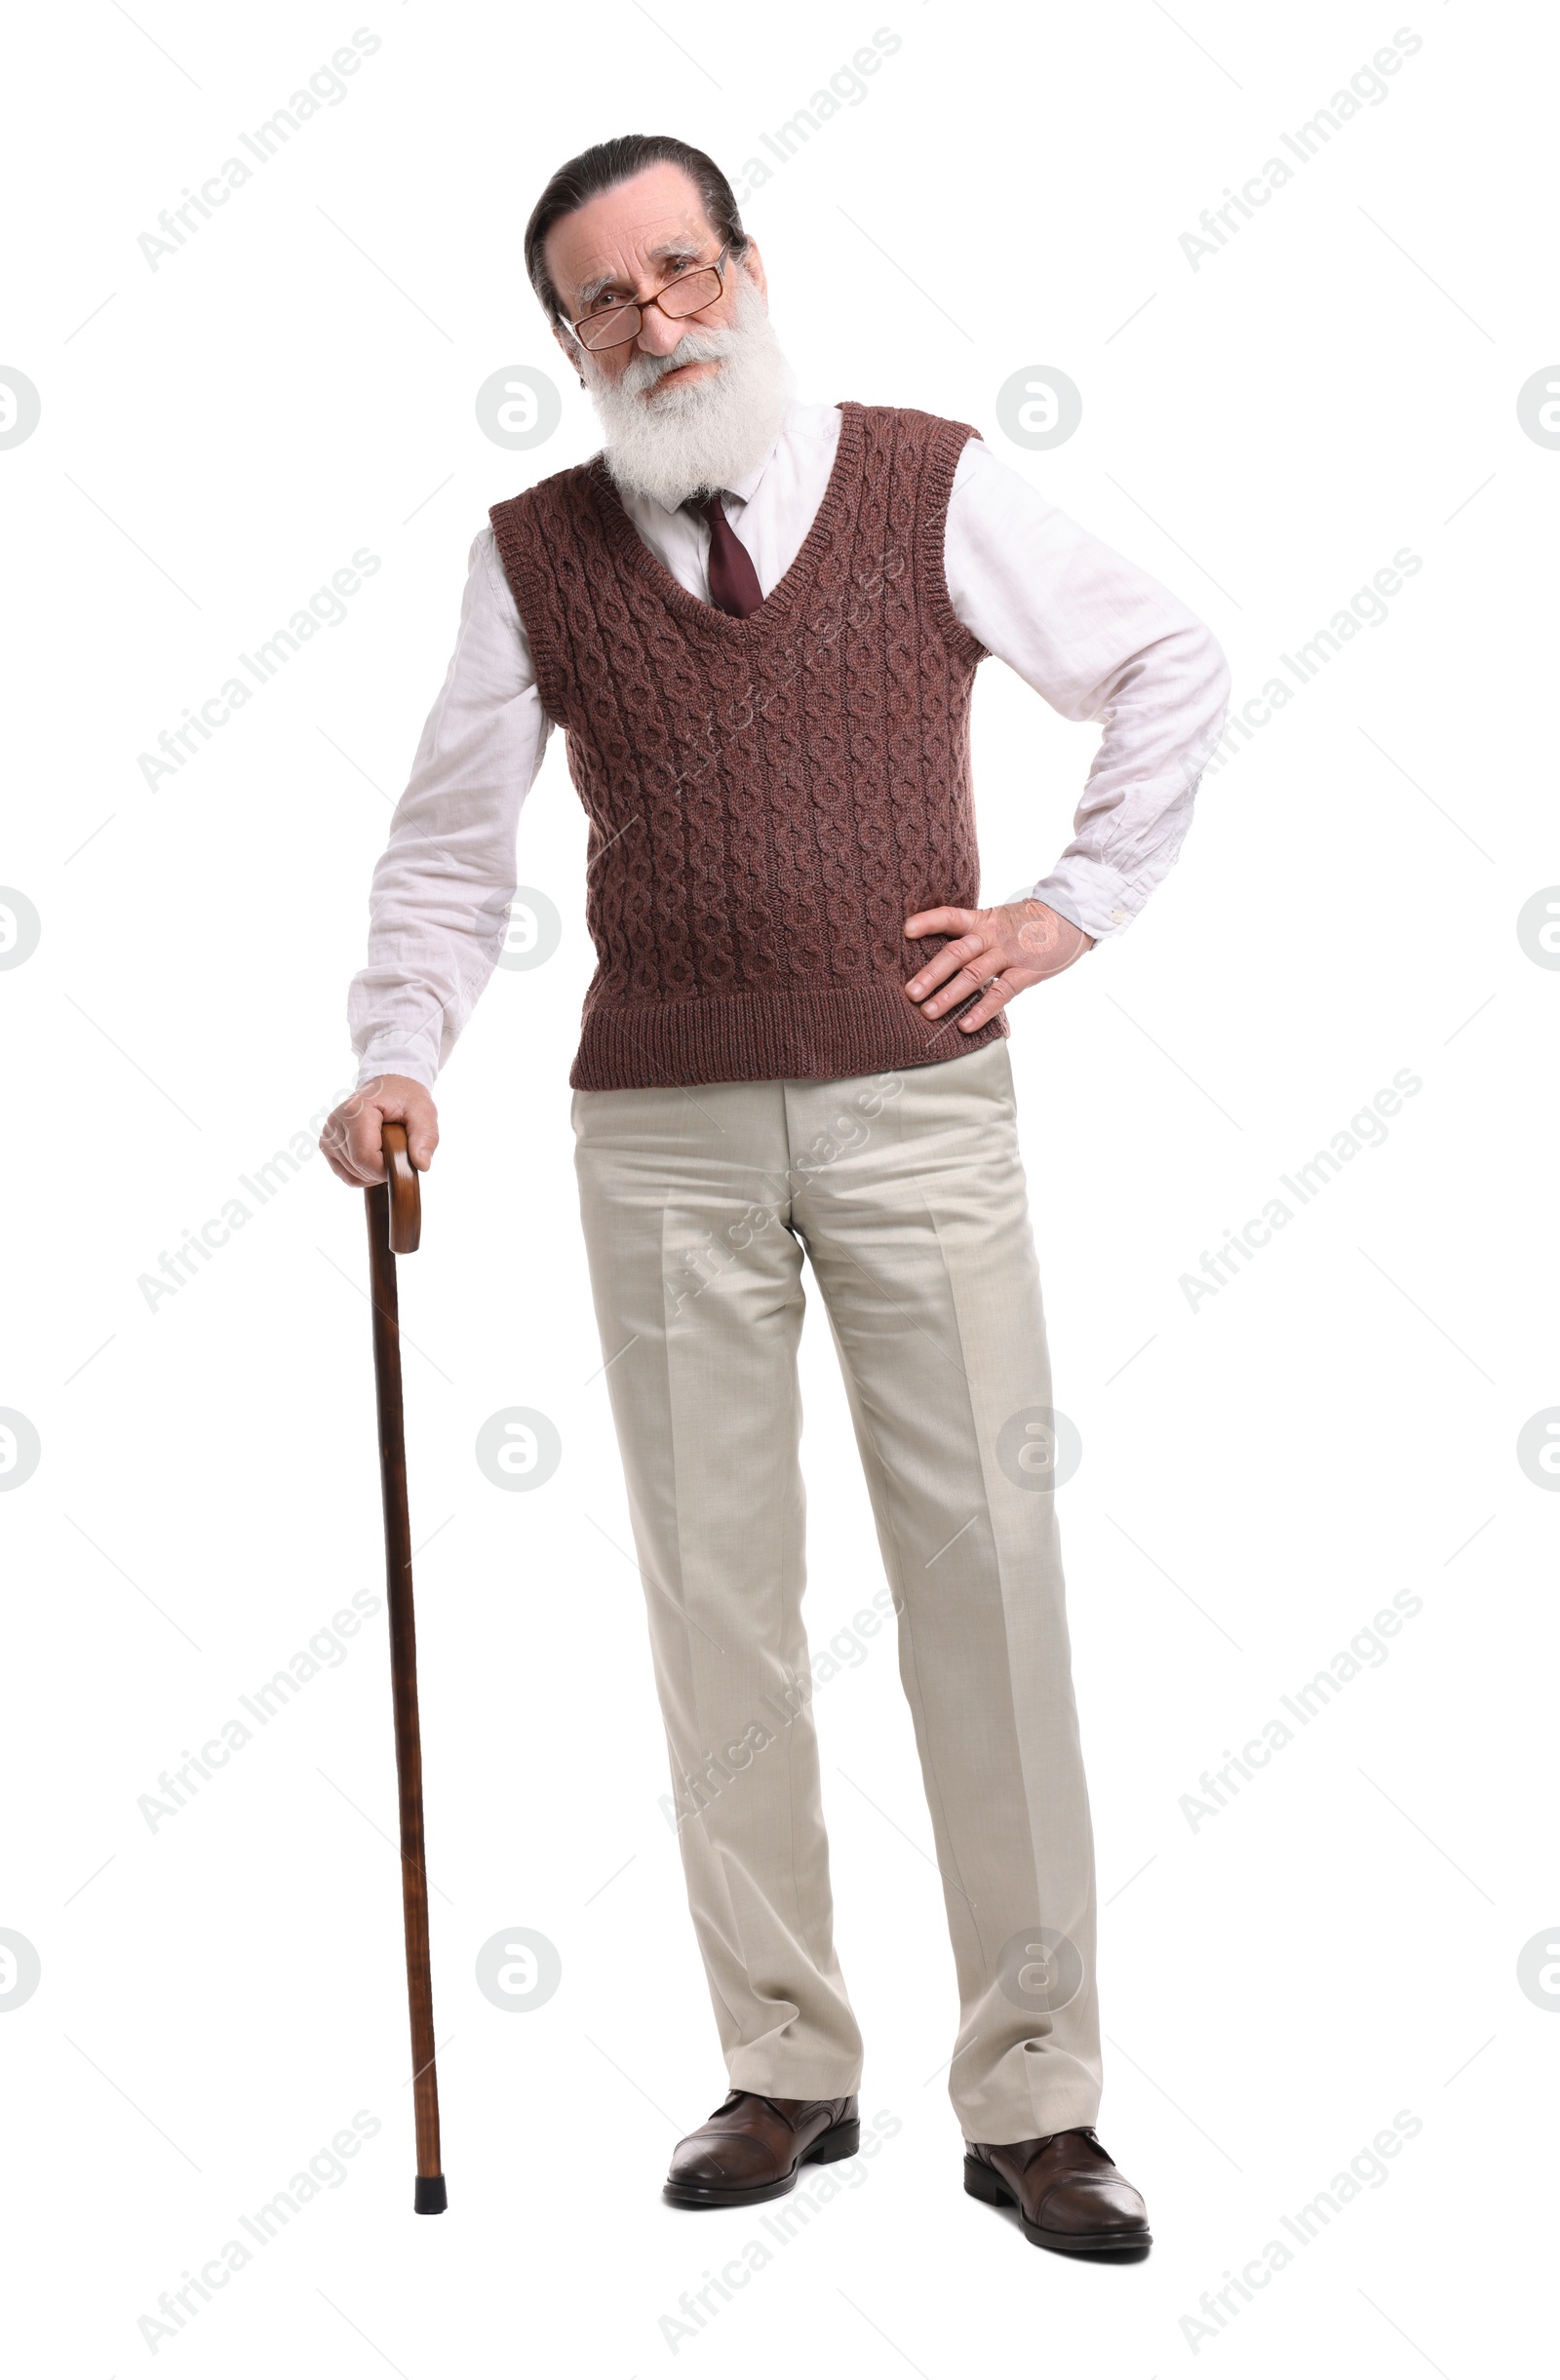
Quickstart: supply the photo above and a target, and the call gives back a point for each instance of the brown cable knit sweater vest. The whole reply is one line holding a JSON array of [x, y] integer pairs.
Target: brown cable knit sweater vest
[[768, 798]]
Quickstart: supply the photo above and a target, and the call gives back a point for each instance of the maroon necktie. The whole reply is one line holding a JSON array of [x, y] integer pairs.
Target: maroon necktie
[[734, 580]]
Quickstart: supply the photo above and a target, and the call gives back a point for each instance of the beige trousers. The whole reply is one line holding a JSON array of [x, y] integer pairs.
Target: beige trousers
[[906, 1193]]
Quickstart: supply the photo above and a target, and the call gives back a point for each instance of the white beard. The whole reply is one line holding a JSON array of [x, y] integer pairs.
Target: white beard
[[703, 434]]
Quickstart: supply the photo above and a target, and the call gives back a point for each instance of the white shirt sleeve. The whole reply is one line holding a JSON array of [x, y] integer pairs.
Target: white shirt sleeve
[[439, 902], [1099, 638]]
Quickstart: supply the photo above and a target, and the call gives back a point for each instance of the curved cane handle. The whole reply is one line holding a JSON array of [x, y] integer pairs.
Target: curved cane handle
[[406, 1195]]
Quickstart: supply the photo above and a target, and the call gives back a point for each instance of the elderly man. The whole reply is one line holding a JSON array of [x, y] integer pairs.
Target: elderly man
[[757, 623]]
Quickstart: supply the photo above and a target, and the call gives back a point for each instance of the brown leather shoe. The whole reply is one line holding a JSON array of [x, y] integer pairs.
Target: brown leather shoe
[[1067, 2192], [754, 2147]]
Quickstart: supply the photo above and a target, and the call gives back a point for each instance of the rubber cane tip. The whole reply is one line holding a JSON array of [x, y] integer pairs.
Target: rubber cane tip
[[432, 2197]]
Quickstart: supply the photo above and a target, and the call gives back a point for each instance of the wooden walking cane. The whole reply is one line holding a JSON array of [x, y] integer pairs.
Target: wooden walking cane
[[395, 1225]]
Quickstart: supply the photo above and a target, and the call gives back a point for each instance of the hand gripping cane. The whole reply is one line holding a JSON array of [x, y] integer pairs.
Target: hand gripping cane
[[395, 1223]]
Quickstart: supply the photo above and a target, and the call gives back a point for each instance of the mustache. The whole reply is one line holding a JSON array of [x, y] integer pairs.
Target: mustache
[[695, 347]]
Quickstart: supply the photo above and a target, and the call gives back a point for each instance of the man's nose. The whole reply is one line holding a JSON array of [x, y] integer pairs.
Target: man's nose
[[657, 336]]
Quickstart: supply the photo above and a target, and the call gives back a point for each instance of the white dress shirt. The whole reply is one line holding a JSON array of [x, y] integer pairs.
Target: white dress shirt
[[1094, 635]]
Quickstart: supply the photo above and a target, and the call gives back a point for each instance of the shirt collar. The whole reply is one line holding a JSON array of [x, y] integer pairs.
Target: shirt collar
[[745, 488]]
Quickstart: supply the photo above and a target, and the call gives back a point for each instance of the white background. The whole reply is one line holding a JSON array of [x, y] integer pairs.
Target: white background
[[1260, 1474]]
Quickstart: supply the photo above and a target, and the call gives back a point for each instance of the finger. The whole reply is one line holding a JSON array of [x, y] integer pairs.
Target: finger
[[946, 963], [354, 1167], [963, 987], [936, 972], [346, 1169], [340, 1171], [941, 921], [365, 1115], [336, 1143], [369, 1158], [971, 977], [995, 999], [389, 1100], [360, 1128], [422, 1138]]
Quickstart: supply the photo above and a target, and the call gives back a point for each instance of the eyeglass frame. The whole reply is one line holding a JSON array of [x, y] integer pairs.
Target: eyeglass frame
[[640, 305]]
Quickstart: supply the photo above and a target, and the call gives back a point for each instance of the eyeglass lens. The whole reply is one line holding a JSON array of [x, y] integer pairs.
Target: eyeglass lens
[[686, 295]]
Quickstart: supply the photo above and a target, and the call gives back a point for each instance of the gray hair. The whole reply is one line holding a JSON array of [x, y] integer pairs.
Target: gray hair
[[603, 167]]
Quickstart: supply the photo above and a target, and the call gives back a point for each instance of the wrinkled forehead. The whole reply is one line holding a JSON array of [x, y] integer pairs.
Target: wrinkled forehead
[[627, 237]]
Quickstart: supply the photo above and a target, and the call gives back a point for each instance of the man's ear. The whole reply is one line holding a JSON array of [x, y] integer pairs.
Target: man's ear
[[752, 264], [570, 346]]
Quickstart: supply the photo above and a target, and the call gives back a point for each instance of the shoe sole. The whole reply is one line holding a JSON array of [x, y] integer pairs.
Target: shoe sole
[[1120, 2247], [843, 2140]]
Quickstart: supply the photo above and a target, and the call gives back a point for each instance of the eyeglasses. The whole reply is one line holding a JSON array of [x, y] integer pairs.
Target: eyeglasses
[[615, 324]]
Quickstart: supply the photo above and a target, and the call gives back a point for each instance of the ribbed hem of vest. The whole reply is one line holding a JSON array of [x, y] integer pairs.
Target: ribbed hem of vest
[[804, 1035]]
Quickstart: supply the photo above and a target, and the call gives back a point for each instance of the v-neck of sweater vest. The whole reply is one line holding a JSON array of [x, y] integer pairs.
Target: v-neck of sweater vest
[[632, 554]]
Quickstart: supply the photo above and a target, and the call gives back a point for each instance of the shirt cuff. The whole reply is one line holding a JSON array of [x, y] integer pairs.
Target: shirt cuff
[[1090, 895], [388, 1060]]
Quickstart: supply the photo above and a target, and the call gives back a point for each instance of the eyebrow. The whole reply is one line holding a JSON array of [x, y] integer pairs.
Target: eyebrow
[[590, 291]]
